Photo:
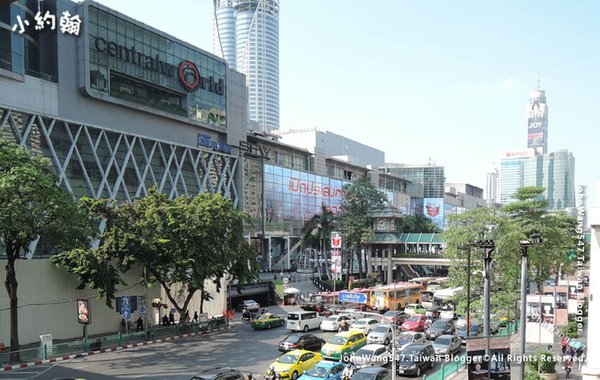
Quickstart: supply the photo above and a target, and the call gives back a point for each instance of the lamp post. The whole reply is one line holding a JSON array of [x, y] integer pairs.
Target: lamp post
[[535, 239], [468, 290]]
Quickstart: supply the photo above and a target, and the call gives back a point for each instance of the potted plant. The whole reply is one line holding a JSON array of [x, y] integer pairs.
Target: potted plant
[[544, 364]]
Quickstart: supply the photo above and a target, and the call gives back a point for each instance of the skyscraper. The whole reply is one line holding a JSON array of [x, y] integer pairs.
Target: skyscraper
[[247, 37], [556, 173], [492, 179], [511, 174], [537, 122]]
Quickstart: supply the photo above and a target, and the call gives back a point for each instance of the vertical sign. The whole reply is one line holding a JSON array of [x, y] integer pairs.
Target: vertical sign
[[83, 311], [125, 309], [336, 253]]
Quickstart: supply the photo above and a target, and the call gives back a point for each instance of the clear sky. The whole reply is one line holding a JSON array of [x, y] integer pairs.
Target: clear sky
[[441, 80]]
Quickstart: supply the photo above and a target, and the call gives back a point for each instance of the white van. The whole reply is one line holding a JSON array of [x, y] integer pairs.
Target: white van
[[302, 320]]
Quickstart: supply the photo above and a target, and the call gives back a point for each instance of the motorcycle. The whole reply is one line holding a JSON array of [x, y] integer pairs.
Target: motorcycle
[[247, 316]]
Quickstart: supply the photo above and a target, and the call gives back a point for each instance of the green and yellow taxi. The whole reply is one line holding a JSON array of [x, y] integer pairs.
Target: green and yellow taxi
[[343, 344], [293, 363], [266, 321]]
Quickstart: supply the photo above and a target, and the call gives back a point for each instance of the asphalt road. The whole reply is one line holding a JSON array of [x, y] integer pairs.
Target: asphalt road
[[240, 347]]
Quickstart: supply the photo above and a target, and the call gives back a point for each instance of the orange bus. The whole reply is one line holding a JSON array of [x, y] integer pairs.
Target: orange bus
[[394, 296]]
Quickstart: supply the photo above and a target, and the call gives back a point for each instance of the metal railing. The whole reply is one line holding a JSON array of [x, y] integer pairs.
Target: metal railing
[[86, 345]]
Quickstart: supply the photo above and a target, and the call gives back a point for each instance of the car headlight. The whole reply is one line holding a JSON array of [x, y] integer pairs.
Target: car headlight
[[412, 366]]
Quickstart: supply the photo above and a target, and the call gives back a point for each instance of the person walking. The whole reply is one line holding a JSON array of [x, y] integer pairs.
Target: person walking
[[195, 317], [564, 343], [171, 318], [568, 367], [140, 324]]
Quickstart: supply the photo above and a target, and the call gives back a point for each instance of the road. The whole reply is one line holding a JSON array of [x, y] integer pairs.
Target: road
[[240, 347]]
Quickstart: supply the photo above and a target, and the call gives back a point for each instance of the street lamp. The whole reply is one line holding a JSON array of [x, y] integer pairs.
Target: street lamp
[[488, 246], [534, 240]]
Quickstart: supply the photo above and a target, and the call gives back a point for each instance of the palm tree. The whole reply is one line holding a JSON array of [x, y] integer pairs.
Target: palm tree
[[317, 230]]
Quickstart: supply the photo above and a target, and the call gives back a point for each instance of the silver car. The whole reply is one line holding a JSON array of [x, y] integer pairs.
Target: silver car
[[410, 337], [381, 334], [376, 355], [447, 345], [365, 325]]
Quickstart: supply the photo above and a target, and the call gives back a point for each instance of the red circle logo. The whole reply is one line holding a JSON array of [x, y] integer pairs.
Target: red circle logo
[[189, 76]]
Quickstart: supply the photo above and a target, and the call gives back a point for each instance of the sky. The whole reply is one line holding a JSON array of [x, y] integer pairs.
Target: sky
[[447, 81]]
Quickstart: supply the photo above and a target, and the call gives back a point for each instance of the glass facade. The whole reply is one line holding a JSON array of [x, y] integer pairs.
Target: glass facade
[[138, 65], [426, 181], [556, 173]]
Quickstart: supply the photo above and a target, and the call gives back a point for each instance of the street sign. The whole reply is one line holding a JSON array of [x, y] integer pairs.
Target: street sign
[[126, 315], [173, 310], [125, 309], [353, 297], [143, 310]]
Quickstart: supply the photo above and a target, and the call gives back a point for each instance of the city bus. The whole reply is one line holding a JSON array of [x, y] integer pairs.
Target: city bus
[[428, 287], [394, 296]]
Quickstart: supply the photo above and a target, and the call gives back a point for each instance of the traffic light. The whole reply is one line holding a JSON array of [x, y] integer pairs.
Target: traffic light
[[572, 254]]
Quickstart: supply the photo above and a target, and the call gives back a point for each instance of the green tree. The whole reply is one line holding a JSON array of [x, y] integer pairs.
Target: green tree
[[181, 243], [32, 205], [359, 199], [416, 224], [317, 231]]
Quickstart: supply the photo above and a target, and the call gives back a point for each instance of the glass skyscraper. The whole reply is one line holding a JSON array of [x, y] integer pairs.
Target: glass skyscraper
[[556, 173], [247, 37]]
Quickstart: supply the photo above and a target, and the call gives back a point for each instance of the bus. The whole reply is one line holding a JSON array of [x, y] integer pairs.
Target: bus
[[394, 296], [428, 287], [443, 302]]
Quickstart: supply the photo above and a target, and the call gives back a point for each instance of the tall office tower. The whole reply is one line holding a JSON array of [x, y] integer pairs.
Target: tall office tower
[[252, 26], [492, 178], [556, 173], [511, 174], [537, 122]]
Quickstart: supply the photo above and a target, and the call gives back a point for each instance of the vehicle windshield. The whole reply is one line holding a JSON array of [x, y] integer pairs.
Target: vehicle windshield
[[410, 351], [287, 359], [439, 324], [293, 317], [441, 341], [318, 371], [390, 314], [336, 339], [381, 329], [413, 319], [365, 352], [363, 376], [358, 323], [404, 339], [292, 338], [332, 318], [266, 316]]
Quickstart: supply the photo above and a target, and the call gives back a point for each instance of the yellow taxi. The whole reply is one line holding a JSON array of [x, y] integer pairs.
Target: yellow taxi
[[293, 363], [341, 345]]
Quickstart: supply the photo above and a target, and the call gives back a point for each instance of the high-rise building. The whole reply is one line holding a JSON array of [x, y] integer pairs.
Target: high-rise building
[[556, 173], [537, 122], [492, 182], [511, 174], [427, 181], [247, 37]]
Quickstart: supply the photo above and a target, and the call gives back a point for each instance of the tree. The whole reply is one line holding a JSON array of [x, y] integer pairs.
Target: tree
[[317, 231], [181, 243], [359, 199], [416, 224], [508, 226], [32, 205]]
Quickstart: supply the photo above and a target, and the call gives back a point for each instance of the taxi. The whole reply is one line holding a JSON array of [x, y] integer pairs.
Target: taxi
[[266, 321], [293, 363], [340, 346]]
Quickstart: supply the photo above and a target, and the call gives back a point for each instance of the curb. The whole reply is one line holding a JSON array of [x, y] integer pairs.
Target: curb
[[104, 350]]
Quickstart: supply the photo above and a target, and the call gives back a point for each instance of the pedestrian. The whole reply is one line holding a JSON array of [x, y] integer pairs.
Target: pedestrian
[[2, 347], [195, 317], [171, 318], [568, 366], [186, 317], [165, 320], [570, 352], [564, 343], [140, 324]]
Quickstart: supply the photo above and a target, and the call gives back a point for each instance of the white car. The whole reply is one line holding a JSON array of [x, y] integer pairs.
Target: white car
[[376, 355], [410, 337], [251, 305], [365, 325], [381, 334], [334, 322]]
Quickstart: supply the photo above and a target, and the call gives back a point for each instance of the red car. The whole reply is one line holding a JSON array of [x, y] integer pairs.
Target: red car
[[414, 323]]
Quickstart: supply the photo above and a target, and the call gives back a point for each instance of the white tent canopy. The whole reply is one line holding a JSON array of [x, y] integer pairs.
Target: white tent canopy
[[291, 291], [446, 294]]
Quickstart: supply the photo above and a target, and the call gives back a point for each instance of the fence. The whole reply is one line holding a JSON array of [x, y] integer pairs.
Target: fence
[[458, 362], [85, 345]]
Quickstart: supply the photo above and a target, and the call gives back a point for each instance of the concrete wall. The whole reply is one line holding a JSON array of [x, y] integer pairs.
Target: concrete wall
[[28, 93]]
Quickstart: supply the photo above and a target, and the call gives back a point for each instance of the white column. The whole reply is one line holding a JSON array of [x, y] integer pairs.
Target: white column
[[289, 254], [591, 370]]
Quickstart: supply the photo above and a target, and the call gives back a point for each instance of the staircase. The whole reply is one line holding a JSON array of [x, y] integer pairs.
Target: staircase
[[282, 262], [408, 271]]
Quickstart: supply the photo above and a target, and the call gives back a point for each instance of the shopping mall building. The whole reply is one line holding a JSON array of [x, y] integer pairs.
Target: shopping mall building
[[117, 106]]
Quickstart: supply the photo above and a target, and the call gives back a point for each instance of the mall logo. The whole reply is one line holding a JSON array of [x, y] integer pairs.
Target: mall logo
[[187, 72]]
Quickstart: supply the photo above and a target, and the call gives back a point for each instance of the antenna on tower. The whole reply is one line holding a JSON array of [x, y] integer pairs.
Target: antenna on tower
[[538, 81]]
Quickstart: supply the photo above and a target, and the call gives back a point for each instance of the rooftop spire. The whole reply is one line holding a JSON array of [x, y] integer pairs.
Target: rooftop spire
[[538, 81]]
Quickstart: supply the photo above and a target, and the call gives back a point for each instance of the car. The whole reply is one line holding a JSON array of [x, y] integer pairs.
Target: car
[[293, 363], [407, 338], [219, 373], [372, 373], [341, 345], [300, 341], [267, 321], [371, 355], [353, 313], [447, 345], [365, 325], [475, 330], [414, 308], [414, 323], [324, 370], [461, 322], [382, 333], [251, 305], [439, 327], [334, 322], [415, 359], [395, 316]]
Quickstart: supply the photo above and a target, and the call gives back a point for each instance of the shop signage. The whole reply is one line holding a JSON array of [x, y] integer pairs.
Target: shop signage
[[206, 142], [254, 150], [83, 311]]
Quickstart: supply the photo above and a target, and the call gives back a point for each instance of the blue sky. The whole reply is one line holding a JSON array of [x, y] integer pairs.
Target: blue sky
[[420, 80]]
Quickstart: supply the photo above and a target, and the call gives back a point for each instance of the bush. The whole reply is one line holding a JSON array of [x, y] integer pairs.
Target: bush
[[546, 362], [570, 331], [532, 375]]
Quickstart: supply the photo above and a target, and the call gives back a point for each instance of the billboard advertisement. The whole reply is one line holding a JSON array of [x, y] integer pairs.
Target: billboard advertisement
[[536, 128], [83, 311], [433, 209]]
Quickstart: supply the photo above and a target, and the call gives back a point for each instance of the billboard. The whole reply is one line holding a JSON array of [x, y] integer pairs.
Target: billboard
[[83, 312], [433, 209], [537, 126]]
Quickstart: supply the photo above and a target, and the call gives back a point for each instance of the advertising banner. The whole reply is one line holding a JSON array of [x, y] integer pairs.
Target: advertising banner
[[83, 312], [494, 366], [336, 261], [433, 209]]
